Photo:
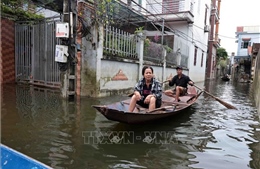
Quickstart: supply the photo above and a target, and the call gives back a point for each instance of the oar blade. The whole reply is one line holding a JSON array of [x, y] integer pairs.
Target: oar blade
[[227, 105]]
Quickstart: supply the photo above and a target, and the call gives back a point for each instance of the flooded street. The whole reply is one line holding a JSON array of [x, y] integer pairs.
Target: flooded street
[[39, 124]]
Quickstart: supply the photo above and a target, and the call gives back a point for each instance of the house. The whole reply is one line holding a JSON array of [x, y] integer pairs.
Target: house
[[213, 41], [187, 24], [181, 25], [246, 37]]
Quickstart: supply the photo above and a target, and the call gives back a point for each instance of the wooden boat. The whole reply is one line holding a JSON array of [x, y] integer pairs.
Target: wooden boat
[[225, 78], [119, 111]]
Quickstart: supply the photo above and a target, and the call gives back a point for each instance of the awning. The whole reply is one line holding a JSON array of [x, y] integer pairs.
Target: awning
[[54, 5], [242, 57], [246, 39], [118, 11]]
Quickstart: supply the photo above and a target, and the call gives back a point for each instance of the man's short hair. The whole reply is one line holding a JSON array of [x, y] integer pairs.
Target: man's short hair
[[178, 67]]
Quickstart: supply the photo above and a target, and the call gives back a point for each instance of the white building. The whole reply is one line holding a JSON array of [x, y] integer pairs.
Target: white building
[[188, 22], [246, 37]]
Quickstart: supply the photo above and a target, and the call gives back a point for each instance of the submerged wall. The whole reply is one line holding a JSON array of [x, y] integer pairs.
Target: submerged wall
[[256, 82], [120, 77]]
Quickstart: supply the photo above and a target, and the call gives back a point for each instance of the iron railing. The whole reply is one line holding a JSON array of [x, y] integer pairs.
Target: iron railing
[[169, 6], [35, 53], [119, 43]]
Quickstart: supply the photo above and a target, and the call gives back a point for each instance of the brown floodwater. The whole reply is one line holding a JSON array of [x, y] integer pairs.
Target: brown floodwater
[[73, 135]]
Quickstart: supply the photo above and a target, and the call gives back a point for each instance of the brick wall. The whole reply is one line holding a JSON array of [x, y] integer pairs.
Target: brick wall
[[7, 59]]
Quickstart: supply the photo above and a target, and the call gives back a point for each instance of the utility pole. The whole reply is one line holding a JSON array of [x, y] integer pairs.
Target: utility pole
[[68, 76], [164, 56]]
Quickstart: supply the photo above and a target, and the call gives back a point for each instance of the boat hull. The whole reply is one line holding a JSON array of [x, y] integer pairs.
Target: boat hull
[[119, 111]]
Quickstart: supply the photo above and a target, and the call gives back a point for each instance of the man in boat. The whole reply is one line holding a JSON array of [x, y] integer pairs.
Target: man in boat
[[181, 81], [147, 92]]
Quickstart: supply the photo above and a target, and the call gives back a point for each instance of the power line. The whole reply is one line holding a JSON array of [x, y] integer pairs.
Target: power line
[[176, 29], [181, 34]]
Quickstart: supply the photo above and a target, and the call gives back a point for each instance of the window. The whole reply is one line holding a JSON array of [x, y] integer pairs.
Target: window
[[170, 6], [195, 55], [202, 55], [245, 44], [206, 15]]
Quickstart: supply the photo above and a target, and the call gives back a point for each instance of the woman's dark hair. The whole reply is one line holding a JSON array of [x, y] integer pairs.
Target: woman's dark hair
[[146, 67]]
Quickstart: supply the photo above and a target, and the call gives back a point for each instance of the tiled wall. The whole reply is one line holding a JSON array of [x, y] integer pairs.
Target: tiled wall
[[7, 59]]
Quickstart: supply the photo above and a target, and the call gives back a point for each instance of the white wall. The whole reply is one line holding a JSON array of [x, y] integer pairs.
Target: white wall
[[193, 35], [110, 68], [200, 38], [255, 38]]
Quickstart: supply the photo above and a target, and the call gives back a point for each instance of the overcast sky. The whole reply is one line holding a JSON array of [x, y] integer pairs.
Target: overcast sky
[[235, 13]]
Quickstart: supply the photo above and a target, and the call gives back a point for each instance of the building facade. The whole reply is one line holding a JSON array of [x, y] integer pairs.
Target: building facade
[[246, 37], [214, 41], [187, 21]]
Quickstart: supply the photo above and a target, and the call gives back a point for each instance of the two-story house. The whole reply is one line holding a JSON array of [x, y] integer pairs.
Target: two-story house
[[246, 37], [188, 22]]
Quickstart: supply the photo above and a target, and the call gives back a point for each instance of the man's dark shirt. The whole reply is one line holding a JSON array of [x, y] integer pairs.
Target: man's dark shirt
[[183, 81]]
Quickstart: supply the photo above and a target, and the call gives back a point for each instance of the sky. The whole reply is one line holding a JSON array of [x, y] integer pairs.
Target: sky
[[235, 13]]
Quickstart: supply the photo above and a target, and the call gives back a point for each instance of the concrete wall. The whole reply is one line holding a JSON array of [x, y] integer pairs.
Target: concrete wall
[[120, 77], [256, 82], [117, 77]]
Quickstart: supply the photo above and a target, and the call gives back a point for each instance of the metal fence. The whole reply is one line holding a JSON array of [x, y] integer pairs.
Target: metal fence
[[35, 53], [119, 43], [179, 55], [153, 52]]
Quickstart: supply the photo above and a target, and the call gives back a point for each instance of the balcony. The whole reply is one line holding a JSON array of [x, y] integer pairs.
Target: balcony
[[217, 42], [171, 10], [214, 11]]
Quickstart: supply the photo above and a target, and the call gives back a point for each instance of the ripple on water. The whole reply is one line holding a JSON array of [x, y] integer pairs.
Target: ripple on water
[[208, 136]]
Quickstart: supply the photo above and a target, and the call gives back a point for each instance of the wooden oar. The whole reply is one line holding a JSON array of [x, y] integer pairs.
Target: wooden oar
[[227, 105], [161, 108], [131, 94]]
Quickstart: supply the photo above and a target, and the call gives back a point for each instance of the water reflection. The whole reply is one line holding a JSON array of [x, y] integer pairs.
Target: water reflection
[[40, 124]]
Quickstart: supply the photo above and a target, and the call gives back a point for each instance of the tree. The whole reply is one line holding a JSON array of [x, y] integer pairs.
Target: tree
[[23, 10], [221, 52]]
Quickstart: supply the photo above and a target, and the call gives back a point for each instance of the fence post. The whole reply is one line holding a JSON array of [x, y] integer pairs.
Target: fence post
[[140, 52], [164, 66], [100, 44]]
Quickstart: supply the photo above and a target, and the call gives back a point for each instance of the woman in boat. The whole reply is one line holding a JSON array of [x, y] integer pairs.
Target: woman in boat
[[147, 92]]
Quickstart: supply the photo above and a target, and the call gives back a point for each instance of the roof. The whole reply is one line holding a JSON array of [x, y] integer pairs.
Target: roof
[[118, 11], [54, 5]]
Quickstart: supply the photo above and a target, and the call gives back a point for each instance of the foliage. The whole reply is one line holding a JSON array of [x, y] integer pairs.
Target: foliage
[[139, 30], [168, 49], [156, 38], [223, 63], [221, 52], [106, 11], [146, 45], [14, 9]]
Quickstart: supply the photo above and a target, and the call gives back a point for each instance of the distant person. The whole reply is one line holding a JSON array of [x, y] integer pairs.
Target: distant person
[[181, 81], [147, 92]]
